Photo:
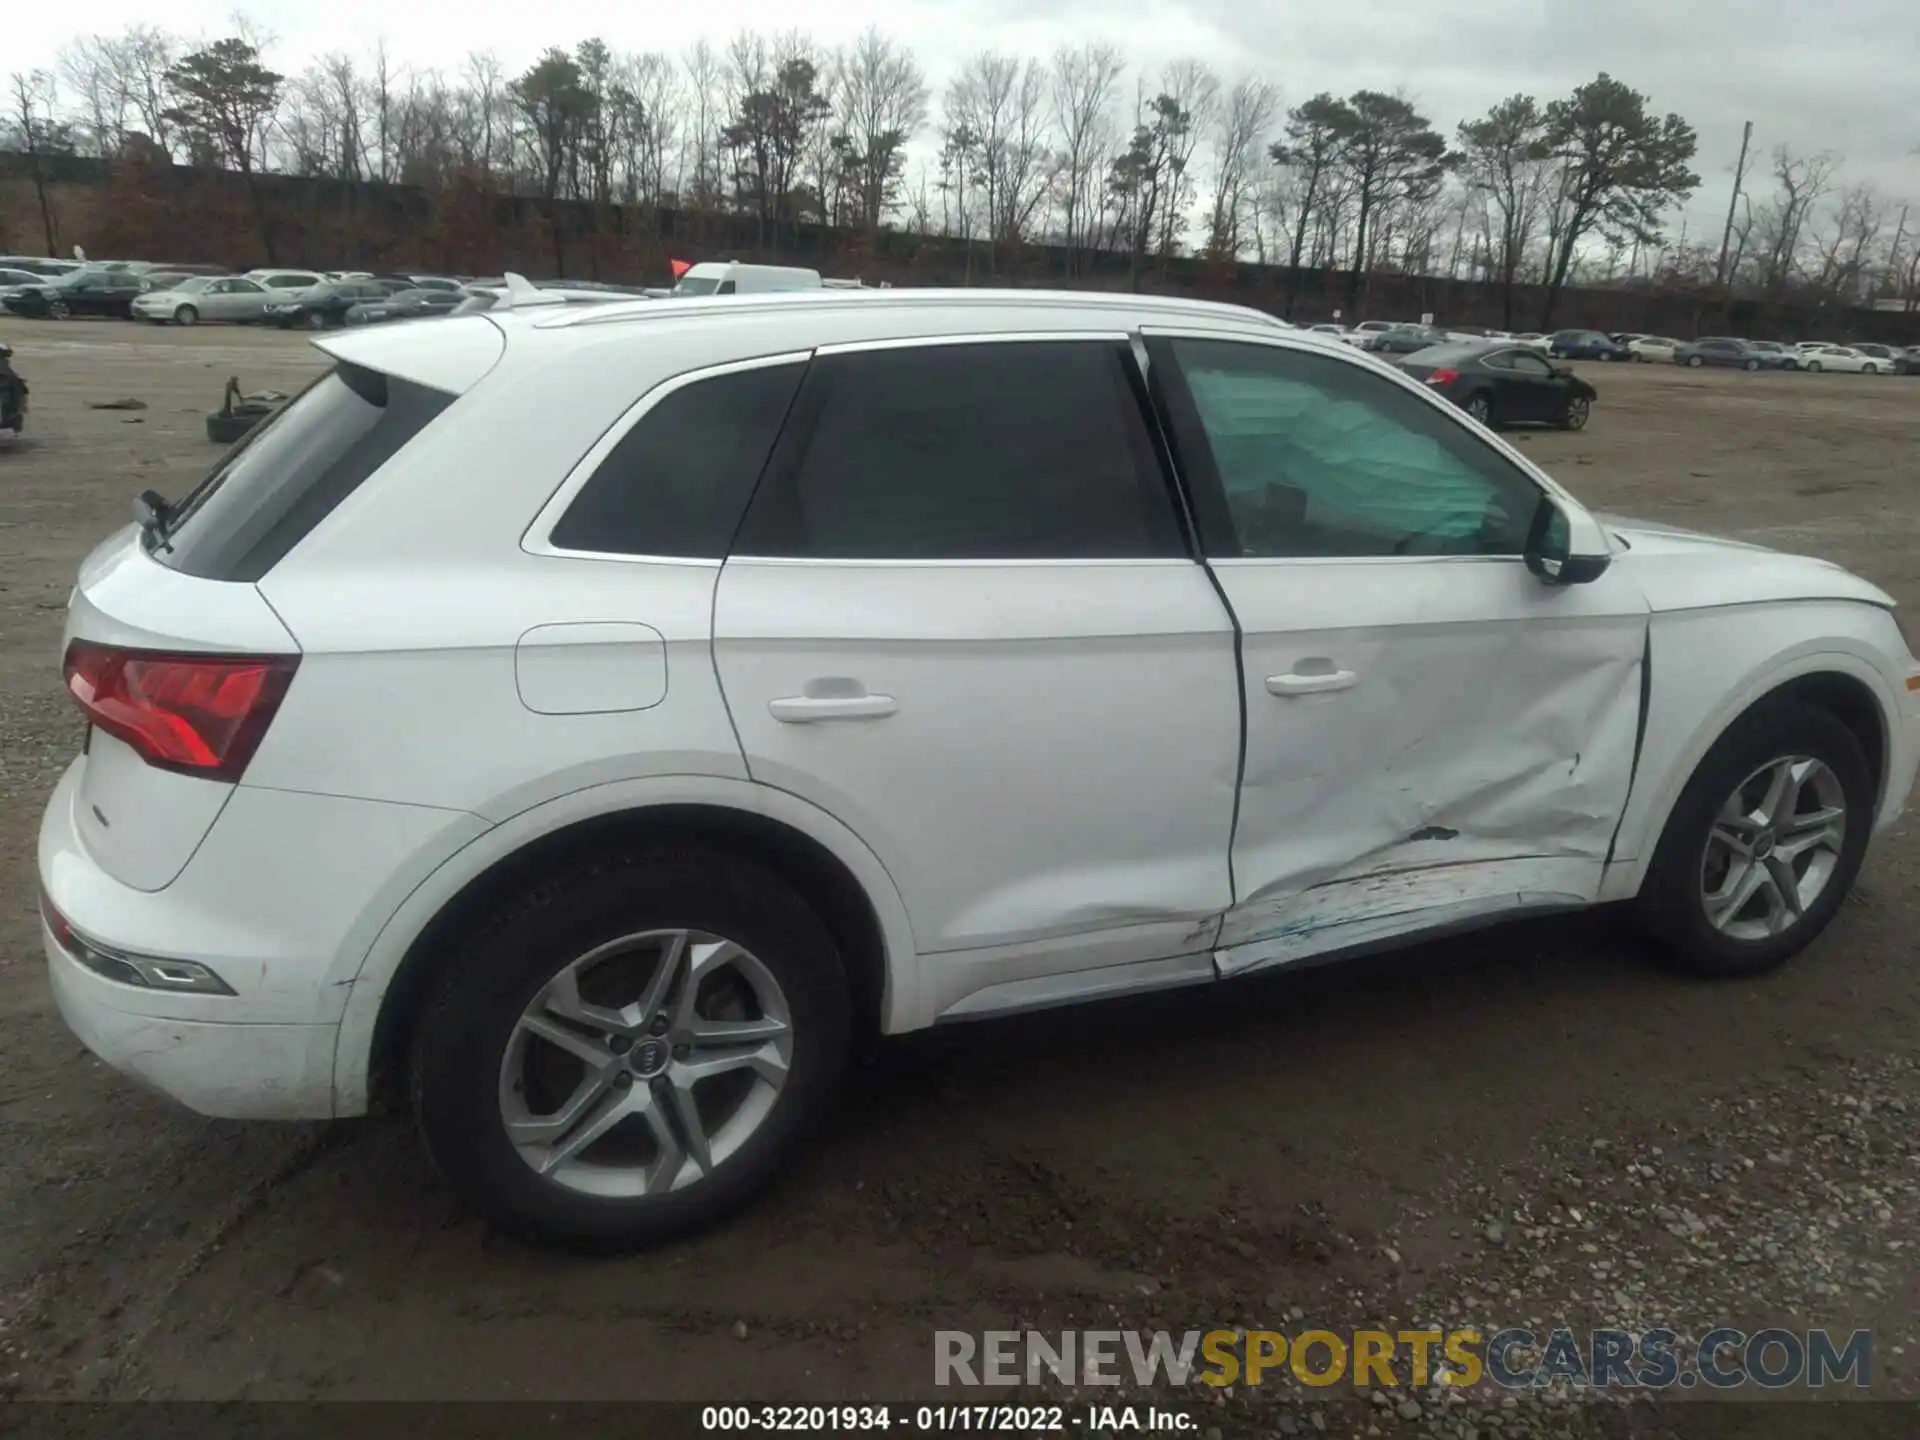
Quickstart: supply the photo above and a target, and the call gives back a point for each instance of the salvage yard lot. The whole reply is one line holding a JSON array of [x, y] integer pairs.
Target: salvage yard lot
[[1525, 1126]]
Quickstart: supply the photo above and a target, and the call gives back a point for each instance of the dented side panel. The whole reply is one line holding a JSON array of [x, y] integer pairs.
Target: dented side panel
[[1483, 726]]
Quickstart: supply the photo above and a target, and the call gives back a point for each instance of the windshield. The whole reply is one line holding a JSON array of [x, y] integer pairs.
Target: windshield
[[704, 285]]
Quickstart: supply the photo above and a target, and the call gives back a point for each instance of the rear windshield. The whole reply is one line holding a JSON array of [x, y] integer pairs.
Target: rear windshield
[[288, 474]]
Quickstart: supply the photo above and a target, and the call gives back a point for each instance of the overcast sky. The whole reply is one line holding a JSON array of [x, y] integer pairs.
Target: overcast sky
[[1834, 75]]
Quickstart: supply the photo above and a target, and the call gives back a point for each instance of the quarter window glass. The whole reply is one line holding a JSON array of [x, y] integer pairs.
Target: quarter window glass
[[1027, 450], [676, 483], [1322, 458]]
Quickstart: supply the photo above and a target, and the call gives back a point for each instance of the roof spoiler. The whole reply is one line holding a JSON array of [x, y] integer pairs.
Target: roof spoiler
[[521, 292]]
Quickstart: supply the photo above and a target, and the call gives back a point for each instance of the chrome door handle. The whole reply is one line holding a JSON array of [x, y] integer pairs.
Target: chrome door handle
[[806, 709], [1292, 684]]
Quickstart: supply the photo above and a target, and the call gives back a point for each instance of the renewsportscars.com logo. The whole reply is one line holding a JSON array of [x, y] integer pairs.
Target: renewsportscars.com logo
[[1514, 1358]]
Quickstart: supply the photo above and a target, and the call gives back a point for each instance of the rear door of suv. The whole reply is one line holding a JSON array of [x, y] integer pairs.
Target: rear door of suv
[[962, 616]]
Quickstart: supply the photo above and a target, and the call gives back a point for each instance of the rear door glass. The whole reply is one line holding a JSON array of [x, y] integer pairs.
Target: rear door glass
[[289, 473]]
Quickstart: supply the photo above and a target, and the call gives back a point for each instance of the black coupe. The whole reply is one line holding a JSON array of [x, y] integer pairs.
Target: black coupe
[[1499, 383]]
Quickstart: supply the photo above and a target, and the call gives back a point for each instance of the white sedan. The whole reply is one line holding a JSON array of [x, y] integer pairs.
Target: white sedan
[[1844, 359], [1654, 349]]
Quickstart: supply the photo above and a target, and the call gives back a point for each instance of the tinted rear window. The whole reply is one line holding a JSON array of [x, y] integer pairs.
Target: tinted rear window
[[677, 482], [288, 474]]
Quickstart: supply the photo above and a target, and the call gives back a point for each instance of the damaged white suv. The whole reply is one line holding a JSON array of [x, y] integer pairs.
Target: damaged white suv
[[588, 722]]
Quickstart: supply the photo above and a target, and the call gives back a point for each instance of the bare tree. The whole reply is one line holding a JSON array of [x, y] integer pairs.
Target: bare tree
[[91, 68], [1195, 91], [1844, 241], [34, 97], [1084, 83], [882, 104], [1239, 133], [998, 103], [706, 85], [1800, 182], [1504, 158]]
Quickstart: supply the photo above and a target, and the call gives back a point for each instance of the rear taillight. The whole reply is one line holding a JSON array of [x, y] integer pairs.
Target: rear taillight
[[1443, 376], [198, 714]]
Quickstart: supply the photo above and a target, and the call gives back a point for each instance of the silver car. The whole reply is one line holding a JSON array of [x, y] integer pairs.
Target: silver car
[[204, 297]]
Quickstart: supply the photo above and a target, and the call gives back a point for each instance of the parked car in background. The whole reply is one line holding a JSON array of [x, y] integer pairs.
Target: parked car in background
[[732, 277], [10, 277], [322, 306], [1332, 331], [86, 291], [406, 305], [1722, 350], [286, 283], [1908, 362], [1586, 345], [39, 265], [1885, 354], [1774, 355], [13, 393], [1844, 359], [1500, 383], [205, 297], [1533, 340], [1403, 339], [1654, 349]]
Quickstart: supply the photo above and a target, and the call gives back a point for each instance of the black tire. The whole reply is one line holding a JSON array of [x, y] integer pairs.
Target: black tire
[[186, 315], [1869, 369], [1813, 367], [498, 970], [316, 320], [1575, 416], [58, 310], [1671, 906]]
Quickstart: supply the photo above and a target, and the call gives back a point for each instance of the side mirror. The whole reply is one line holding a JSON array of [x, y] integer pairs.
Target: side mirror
[[1549, 552]]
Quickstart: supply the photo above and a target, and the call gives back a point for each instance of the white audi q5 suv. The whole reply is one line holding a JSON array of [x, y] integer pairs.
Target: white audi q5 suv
[[589, 721]]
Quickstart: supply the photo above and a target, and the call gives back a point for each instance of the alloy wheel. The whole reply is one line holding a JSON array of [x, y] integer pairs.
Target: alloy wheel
[[1479, 409], [646, 1063], [1774, 846], [1578, 409]]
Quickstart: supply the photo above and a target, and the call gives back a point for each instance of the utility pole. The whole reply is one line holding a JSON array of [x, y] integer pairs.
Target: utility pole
[[1739, 175]]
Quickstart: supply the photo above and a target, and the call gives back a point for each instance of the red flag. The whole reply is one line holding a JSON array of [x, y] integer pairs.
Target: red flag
[[680, 267]]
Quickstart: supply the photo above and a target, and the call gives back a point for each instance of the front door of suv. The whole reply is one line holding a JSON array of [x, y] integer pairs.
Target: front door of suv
[[961, 616], [1433, 735]]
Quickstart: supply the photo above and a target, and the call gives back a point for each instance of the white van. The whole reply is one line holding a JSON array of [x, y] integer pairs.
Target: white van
[[730, 277]]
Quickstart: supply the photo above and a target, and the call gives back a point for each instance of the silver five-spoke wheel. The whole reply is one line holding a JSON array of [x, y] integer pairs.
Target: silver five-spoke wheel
[[645, 1063], [1773, 848]]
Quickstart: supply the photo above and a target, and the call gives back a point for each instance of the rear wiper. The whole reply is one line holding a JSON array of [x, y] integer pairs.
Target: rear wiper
[[152, 512]]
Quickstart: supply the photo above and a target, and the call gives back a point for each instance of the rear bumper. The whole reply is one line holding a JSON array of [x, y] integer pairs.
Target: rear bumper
[[281, 899], [227, 1069]]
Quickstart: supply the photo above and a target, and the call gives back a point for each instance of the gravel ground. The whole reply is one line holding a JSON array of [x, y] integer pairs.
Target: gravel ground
[[1530, 1127]]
